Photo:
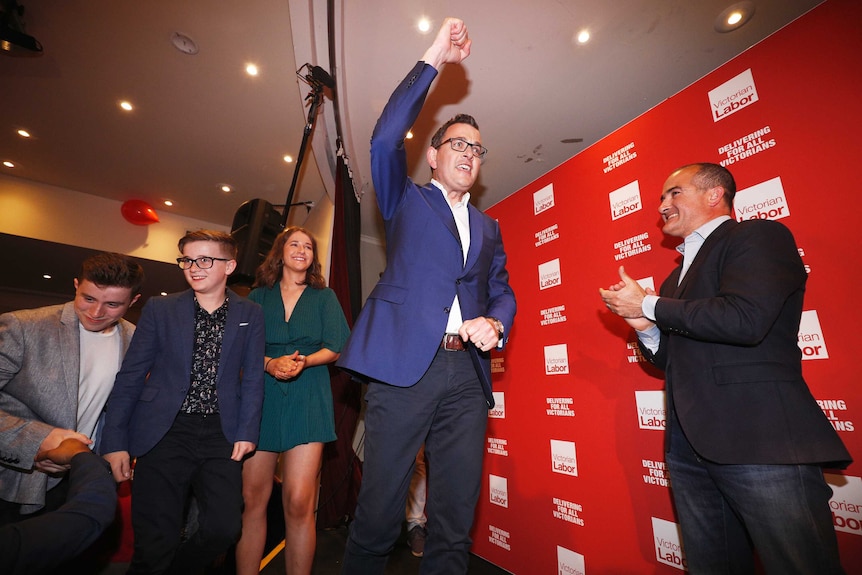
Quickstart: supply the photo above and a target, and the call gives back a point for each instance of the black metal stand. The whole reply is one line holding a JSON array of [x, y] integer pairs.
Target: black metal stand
[[316, 97]]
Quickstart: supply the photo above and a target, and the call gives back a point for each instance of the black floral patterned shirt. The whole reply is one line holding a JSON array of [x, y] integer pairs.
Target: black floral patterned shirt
[[209, 332]]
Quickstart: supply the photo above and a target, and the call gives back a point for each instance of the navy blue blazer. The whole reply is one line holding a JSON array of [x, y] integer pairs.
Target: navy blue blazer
[[400, 328], [155, 377], [728, 347]]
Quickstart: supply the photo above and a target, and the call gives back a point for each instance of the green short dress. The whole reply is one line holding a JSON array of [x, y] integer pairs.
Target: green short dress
[[299, 410]]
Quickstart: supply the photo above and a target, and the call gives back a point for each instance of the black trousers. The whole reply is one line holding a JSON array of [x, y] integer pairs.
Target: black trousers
[[446, 410], [192, 459]]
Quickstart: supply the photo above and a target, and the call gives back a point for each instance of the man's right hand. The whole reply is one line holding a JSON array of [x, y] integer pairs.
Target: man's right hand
[[43, 462], [121, 465], [625, 299], [450, 46], [63, 454]]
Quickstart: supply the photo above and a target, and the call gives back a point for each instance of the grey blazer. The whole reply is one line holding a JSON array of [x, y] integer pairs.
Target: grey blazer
[[39, 368]]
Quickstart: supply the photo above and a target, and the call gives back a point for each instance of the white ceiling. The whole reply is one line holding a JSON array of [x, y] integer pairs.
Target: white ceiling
[[538, 96]]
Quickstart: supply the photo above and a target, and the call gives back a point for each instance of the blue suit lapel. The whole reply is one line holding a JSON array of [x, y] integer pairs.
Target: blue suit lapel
[[185, 317], [231, 328], [438, 204], [477, 238]]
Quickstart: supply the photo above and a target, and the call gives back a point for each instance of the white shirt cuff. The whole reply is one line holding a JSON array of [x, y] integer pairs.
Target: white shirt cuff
[[650, 338], [648, 306]]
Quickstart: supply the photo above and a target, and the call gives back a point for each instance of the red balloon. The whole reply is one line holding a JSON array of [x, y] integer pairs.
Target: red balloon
[[139, 212]]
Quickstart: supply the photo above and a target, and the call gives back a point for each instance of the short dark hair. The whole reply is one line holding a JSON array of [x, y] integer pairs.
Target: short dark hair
[[714, 175], [437, 138], [225, 239], [109, 269], [269, 272]]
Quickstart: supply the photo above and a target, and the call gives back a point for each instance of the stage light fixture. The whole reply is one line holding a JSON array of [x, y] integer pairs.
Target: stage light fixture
[[14, 41]]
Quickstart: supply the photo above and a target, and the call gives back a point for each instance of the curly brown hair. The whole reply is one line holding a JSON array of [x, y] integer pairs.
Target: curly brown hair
[[108, 269], [269, 272]]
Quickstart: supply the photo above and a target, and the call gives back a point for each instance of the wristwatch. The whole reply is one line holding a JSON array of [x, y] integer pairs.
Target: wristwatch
[[498, 325]]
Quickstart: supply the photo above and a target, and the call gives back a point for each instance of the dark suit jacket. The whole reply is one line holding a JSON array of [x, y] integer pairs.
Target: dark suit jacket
[[400, 328], [730, 355], [155, 377], [40, 543]]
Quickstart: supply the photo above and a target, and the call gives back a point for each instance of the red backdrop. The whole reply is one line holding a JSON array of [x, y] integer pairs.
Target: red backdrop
[[575, 479]]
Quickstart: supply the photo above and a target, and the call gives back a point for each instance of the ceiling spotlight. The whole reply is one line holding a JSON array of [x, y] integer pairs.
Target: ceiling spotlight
[[127, 106], [23, 133], [13, 40], [288, 158], [251, 70], [8, 164], [583, 37], [734, 16], [168, 203], [225, 188], [424, 25]]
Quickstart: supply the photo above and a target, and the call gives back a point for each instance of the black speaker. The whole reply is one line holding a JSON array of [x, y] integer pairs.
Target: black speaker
[[255, 227]]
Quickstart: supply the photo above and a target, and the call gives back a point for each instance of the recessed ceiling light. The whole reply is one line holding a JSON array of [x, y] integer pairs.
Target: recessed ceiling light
[[251, 69], [163, 293], [127, 106], [24, 133], [424, 25], [734, 16], [46, 276], [8, 164], [288, 158], [168, 203], [225, 188], [583, 36]]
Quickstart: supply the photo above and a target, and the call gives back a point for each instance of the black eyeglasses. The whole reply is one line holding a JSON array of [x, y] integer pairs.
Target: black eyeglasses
[[460, 145], [203, 263]]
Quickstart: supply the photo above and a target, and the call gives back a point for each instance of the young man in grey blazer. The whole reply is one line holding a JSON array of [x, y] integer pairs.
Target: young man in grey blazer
[[57, 368]]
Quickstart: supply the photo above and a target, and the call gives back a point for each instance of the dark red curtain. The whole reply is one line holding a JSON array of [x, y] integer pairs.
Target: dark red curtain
[[341, 472]]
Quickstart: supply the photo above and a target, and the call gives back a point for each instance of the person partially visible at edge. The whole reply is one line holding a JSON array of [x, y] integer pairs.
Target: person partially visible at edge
[[47, 540], [424, 337], [746, 441], [57, 368], [186, 406], [305, 331]]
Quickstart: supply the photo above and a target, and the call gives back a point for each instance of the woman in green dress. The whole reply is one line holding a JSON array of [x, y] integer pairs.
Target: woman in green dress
[[305, 331]]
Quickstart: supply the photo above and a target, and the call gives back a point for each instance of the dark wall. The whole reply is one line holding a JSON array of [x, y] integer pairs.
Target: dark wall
[[24, 261]]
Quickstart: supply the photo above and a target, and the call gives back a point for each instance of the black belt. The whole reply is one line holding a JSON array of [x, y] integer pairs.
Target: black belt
[[452, 342]]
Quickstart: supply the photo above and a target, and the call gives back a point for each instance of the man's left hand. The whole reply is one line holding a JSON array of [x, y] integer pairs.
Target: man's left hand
[[481, 331], [241, 449]]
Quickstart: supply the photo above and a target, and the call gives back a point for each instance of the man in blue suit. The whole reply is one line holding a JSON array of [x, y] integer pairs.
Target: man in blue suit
[[423, 338], [745, 438], [187, 404]]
